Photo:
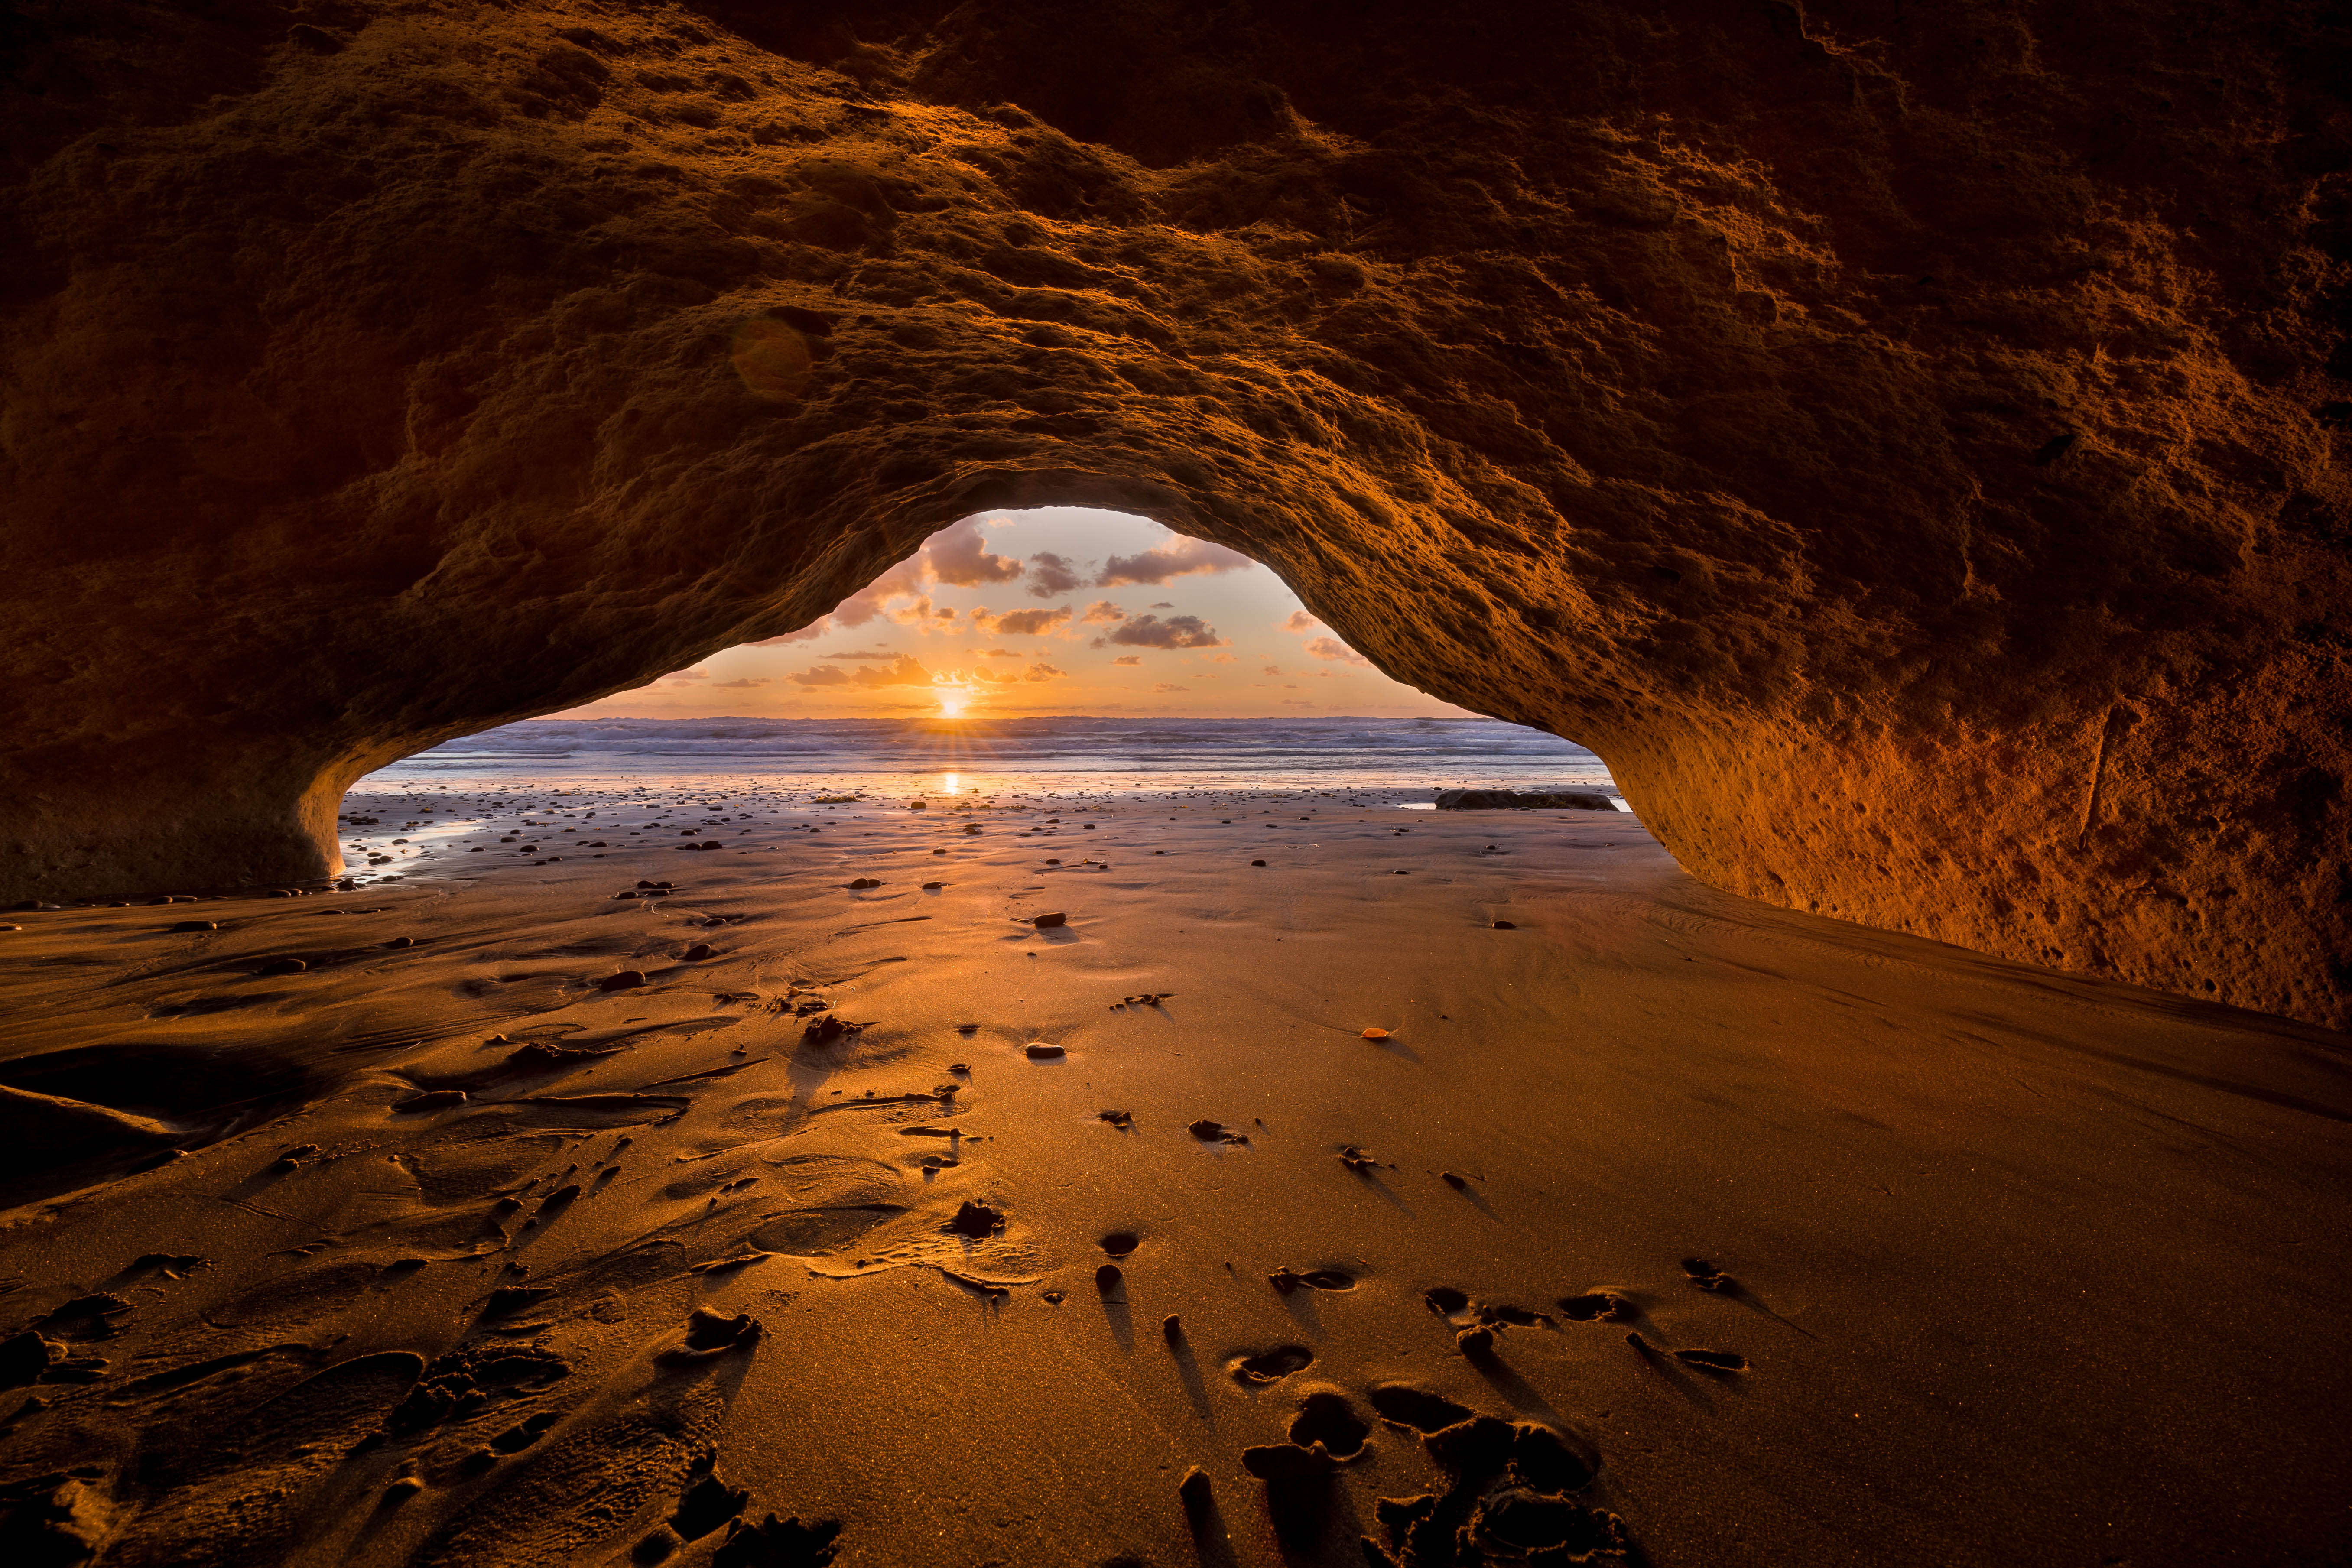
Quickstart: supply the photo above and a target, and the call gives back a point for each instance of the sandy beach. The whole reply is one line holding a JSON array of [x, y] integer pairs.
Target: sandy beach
[[1755, 1237]]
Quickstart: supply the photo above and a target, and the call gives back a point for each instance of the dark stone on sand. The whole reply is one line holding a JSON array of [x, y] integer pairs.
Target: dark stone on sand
[[1450, 1180], [628, 979], [1505, 925], [1171, 1328], [197, 925], [25, 1357], [977, 1220], [698, 951], [1475, 1343], [1513, 800], [1257, 862], [434, 1100], [866, 882], [1109, 1280], [1196, 1489], [1045, 922], [1039, 1051], [283, 966], [1120, 1119]]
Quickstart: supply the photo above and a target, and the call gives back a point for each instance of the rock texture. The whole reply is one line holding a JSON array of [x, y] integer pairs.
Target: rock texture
[[1905, 441]]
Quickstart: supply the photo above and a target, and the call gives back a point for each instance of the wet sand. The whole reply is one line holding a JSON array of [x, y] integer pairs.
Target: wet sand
[[1997, 1266]]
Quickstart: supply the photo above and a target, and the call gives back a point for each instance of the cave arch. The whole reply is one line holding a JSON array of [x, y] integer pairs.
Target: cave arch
[[1902, 447]]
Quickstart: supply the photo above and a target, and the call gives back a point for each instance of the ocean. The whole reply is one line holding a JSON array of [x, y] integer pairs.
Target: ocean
[[1405, 760]]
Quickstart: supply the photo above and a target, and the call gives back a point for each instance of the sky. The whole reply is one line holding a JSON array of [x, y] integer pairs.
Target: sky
[[1051, 611]]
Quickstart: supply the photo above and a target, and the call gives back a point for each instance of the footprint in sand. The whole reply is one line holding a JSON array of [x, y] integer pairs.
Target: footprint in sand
[[1403, 1405], [778, 1543], [1505, 1497], [1707, 1277], [1330, 1420], [1270, 1366], [976, 1221], [1286, 1280]]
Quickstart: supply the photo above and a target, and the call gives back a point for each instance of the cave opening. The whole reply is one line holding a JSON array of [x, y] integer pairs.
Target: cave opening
[[1022, 652]]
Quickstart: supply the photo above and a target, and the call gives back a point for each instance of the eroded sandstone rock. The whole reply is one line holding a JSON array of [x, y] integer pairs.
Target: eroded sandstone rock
[[1907, 445]]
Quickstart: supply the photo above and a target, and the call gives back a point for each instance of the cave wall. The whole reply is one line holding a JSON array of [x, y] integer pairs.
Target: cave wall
[[1906, 442]]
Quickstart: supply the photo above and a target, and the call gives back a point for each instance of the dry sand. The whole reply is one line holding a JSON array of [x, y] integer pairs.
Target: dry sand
[[2021, 1269]]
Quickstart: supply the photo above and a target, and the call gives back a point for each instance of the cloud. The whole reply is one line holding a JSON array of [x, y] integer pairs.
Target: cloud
[[688, 675], [1127, 658], [1176, 631], [1044, 672], [1003, 653], [1332, 648], [743, 684], [956, 555], [1221, 658], [1166, 686], [1273, 670], [1300, 621], [1019, 623], [1164, 605], [922, 613], [1179, 557], [959, 556], [864, 653], [1051, 575], [905, 672], [1102, 613]]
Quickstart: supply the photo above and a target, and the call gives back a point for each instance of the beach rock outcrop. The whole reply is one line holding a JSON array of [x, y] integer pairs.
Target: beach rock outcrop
[[1908, 445], [1522, 800]]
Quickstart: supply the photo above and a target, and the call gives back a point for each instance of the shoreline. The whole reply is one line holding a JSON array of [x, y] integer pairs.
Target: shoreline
[[1971, 1216]]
